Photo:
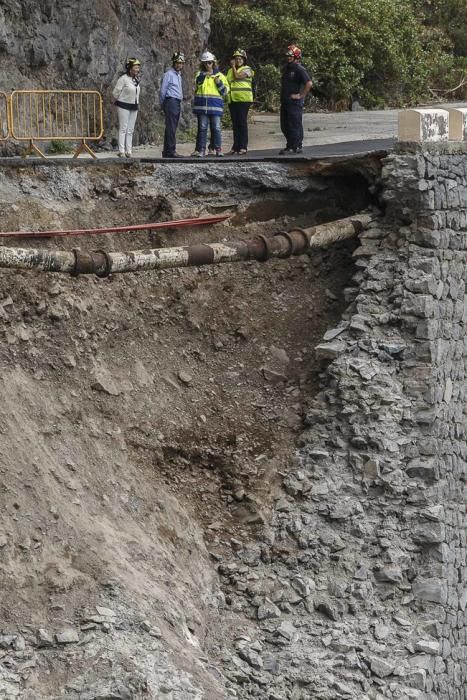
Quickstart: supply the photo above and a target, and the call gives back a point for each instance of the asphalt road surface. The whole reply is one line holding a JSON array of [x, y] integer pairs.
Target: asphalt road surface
[[326, 135], [330, 150]]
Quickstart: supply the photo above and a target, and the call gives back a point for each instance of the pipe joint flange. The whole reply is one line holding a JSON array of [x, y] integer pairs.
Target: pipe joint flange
[[298, 240], [102, 269], [84, 263], [265, 254], [285, 253]]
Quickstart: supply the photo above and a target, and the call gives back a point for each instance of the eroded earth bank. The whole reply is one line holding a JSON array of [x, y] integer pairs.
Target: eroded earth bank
[[245, 480]]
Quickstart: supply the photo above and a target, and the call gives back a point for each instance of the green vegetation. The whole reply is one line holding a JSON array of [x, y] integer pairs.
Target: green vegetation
[[153, 130], [381, 52], [58, 146], [187, 135]]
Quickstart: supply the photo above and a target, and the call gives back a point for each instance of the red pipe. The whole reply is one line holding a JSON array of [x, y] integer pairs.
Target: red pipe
[[116, 229]]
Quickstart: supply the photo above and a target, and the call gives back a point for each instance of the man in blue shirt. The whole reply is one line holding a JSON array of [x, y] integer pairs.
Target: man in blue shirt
[[171, 96]]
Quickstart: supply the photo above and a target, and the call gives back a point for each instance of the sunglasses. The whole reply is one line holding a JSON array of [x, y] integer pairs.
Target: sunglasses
[[211, 62]]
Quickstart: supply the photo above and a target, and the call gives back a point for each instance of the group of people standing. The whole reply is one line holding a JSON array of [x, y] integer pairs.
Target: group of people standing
[[212, 89]]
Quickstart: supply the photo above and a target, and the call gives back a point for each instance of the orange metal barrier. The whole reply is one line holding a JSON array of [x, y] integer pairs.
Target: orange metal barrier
[[65, 115], [4, 117]]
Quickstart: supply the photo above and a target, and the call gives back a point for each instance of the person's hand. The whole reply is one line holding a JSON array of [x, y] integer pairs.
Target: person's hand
[[232, 62], [296, 96]]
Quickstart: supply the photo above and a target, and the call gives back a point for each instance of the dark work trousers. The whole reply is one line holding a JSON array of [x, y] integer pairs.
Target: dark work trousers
[[172, 109], [239, 114], [292, 122]]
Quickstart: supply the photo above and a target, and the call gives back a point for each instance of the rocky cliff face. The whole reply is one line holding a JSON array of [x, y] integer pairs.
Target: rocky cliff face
[[75, 45]]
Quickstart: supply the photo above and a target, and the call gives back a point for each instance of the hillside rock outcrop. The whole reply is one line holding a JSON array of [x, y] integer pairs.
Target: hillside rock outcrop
[[48, 44]]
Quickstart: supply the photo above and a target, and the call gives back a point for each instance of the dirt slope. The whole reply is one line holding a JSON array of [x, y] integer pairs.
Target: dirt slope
[[146, 421]]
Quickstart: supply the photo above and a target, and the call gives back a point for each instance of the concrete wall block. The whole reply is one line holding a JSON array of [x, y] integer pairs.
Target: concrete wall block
[[423, 125], [457, 124]]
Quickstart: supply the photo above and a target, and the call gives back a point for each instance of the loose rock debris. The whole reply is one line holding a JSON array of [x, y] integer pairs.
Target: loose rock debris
[[146, 425]]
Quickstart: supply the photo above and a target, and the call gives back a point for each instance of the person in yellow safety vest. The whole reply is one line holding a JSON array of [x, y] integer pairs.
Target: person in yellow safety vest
[[240, 79], [211, 87]]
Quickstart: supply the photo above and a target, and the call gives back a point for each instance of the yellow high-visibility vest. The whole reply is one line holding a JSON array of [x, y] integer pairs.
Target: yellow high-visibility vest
[[209, 95], [240, 90]]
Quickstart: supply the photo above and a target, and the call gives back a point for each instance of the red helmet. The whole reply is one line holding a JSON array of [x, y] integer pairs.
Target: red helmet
[[294, 51]]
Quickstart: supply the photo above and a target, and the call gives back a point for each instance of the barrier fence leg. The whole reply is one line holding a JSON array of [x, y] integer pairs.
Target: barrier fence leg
[[32, 148], [83, 147]]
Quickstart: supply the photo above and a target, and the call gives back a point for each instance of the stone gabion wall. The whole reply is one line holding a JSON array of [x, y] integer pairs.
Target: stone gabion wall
[[428, 190], [358, 587]]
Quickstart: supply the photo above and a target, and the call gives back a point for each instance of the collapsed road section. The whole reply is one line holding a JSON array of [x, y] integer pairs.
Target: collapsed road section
[[237, 480], [147, 418]]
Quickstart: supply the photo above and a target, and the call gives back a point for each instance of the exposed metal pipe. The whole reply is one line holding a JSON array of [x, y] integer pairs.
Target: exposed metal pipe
[[101, 263]]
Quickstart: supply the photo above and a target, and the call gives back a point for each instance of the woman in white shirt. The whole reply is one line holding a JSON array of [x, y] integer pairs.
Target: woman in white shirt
[[126, 93]]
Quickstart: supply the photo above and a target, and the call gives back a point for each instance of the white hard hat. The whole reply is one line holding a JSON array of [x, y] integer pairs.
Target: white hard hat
[[207, 56]]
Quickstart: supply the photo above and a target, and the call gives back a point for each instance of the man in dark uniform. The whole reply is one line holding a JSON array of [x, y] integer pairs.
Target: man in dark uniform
[[296, 84]]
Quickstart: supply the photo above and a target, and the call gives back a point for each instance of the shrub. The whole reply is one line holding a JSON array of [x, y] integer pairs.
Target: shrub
[[267, 81], [378, 51], [57, 147], [187, 135]]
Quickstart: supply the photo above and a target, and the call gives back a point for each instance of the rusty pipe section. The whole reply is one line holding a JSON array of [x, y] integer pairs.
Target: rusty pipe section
[[283, 244]]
